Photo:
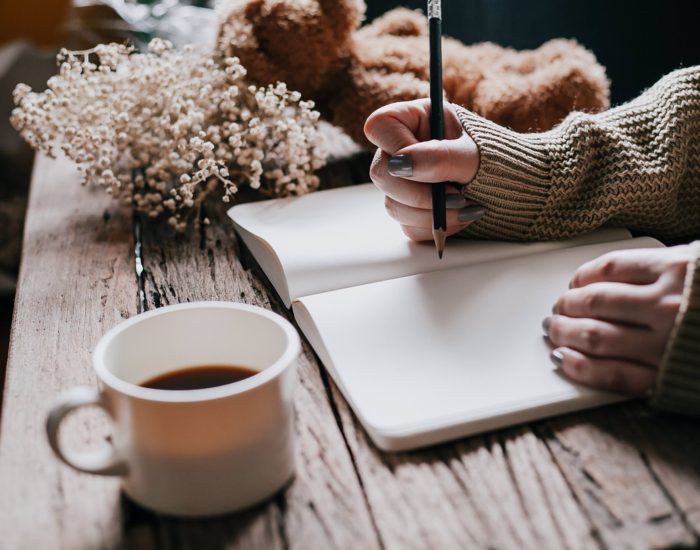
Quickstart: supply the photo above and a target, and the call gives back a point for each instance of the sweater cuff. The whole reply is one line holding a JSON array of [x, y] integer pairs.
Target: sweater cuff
[[512, 181], [678, 383]]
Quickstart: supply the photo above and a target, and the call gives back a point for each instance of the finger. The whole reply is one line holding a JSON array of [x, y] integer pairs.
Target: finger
[[614, 302], [603, 339], [425, 234], [639, 267], [410, 193], [400, 124], [455, 160], [423, 217], [606, 374]]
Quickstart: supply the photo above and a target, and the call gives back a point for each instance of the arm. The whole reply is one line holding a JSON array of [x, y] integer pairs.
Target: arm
[[637, 166], [678, 384]]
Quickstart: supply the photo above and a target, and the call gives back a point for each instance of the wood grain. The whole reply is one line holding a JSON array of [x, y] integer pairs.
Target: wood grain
[[613, 459], [584, 484], [76, 281], [324, 507], [499, 491], [617, 477]]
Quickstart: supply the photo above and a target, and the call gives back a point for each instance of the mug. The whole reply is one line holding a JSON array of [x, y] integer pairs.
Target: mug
[[192, 452]]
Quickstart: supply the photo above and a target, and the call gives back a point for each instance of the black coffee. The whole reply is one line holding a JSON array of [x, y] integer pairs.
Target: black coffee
[[200, 377]]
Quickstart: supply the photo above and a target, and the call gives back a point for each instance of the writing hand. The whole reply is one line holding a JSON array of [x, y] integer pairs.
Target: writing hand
[[407, 162], [611, 328]]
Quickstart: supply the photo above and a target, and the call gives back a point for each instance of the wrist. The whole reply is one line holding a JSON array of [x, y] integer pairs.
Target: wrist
[[512, 179]]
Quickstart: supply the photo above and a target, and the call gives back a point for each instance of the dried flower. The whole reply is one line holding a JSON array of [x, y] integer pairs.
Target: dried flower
[[164, 129]]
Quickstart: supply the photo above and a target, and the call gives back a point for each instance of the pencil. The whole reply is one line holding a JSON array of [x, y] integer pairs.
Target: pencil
[[437, 119]]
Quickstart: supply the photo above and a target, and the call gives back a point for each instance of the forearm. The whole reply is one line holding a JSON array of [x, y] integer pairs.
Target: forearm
[[678, 385], [637, 166]]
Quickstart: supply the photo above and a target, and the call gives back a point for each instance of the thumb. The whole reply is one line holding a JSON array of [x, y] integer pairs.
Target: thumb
[[435, 161]]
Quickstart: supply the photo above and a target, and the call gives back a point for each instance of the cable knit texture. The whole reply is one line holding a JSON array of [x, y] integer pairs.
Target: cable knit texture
[[678, 385], [634, 166]]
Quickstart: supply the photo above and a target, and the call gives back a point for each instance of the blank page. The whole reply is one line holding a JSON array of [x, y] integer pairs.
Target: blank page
[[427, 358], [343, 237]]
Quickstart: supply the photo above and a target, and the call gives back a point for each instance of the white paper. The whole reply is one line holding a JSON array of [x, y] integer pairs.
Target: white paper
[[344, 237], [432, 357]]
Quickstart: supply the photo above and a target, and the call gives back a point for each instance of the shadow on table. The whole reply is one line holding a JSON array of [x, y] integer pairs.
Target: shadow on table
[[142, 528]]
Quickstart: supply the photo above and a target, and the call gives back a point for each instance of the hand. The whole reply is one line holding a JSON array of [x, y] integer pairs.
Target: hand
[[611, 328], [407, 163]]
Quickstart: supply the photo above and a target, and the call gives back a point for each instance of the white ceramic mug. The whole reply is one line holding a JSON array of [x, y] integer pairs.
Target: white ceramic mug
[[192, 452]]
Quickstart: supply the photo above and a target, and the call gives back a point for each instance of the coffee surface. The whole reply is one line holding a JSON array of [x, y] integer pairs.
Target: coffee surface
[[199, 377]]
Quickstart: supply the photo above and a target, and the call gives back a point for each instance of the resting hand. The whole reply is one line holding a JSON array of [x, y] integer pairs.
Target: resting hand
[[407, 163], [611, 328]]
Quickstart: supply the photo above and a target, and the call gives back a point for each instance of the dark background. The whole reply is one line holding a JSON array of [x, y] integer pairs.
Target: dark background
[[637, 41]]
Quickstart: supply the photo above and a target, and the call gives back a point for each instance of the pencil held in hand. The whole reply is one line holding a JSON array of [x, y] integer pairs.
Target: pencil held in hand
[[437, 119]]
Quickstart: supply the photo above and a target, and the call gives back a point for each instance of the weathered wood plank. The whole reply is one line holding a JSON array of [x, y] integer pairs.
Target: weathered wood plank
[[582, 484], [76, 281], [324, 507], [601, 454], [500, 491], [671, 445]]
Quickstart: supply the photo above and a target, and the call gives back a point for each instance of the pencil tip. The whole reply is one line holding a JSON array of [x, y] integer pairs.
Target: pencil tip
[[440, 236]]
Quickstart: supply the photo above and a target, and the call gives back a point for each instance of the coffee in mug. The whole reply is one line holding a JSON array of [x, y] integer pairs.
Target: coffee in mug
[[200, 396]]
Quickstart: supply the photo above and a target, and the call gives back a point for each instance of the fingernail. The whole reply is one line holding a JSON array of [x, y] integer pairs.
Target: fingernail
[[455, 200], [401, 166], [545, 325], [557, 358], [554, 309], [471, 213]]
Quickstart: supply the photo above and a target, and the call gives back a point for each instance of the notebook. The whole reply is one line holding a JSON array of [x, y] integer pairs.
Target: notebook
[[424, 350]]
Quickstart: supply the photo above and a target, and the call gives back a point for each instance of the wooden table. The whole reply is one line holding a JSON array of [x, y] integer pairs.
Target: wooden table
[[617, 477]]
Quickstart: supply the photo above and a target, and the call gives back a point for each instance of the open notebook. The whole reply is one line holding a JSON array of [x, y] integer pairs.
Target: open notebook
[[423, 350]]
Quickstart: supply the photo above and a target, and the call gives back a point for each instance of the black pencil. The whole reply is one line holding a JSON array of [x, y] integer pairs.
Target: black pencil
[[437, 119]]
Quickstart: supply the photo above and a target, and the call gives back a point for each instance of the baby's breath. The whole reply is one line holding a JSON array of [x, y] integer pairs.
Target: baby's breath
[[164, 129]]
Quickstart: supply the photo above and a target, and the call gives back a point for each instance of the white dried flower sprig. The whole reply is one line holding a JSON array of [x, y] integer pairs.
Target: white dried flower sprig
[[164, 129]]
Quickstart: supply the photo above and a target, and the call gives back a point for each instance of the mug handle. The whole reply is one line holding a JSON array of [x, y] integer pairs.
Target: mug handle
[[105, 462]]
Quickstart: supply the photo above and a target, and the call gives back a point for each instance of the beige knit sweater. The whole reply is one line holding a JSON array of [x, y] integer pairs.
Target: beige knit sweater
[[635, 166]]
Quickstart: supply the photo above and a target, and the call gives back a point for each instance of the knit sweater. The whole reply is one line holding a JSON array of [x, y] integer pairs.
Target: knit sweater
[[635, 166]]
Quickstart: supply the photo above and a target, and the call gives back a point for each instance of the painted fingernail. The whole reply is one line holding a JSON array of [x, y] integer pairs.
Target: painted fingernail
[[455, 200], [401, 166], [557, 358], [471, 213], [545, 325], [554, 309]]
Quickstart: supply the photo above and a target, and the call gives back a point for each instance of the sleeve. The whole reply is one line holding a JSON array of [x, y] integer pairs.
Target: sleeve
[[634, 166], [678, 383]]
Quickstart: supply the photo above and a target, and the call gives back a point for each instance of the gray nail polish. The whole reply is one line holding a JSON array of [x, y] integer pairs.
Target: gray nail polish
[[545, 325], [454, 200], [401, 166], [557, 358], [471, 213], [554, 309]]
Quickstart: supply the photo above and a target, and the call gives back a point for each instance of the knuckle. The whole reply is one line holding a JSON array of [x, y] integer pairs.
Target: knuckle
[[592, 303], [579, 365], [592, 340], [607, 266]]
